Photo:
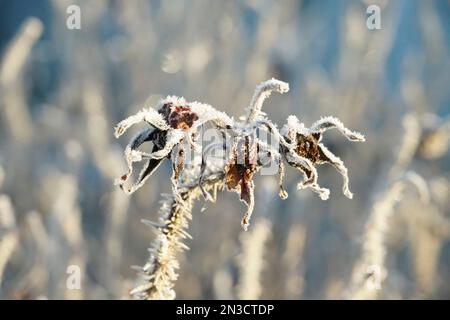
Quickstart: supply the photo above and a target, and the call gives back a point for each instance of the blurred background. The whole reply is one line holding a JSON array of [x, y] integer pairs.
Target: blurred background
[[62, 92]]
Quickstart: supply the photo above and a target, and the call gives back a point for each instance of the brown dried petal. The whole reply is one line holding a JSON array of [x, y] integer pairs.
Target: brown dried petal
[[232, 176], [246, 185], [308, 148]]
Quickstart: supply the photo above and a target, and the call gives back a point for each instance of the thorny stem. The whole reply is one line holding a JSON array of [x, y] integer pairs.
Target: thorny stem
[[159, 273]]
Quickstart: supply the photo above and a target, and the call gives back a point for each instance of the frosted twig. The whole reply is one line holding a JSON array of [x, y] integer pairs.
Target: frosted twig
[[176, 133], [262, 92]]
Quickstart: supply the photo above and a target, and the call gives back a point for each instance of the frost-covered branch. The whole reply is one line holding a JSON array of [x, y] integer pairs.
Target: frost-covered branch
[[176, 137], [160, 271]]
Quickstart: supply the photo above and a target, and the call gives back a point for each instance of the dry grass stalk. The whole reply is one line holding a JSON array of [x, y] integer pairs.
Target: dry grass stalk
[[370, 270], [2, 176], [293, 261], [251, 260], [11, 85], [65, 231], [429, 229], [427, 137], [8, 233]]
